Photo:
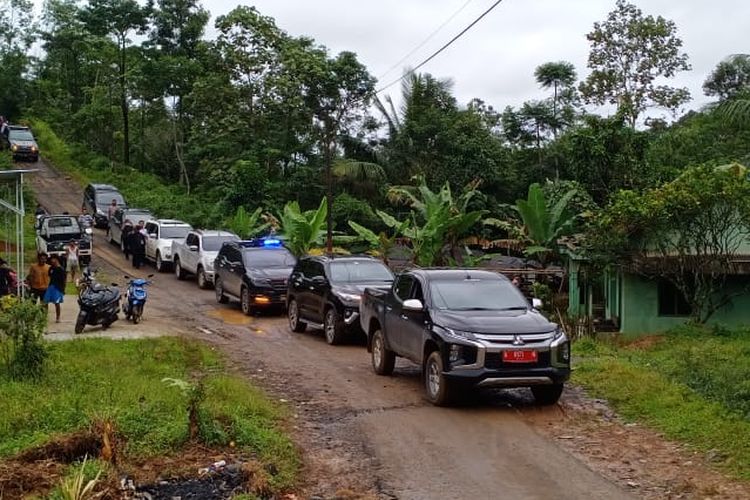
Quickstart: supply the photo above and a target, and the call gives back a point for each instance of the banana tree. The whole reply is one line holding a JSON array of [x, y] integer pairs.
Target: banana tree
[[247, 225], [438, 219], [380, 243], [543, 225], [303, 230]]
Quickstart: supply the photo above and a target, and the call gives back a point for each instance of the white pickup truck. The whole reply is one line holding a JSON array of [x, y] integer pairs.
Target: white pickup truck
[[161, 234], [195, 254]]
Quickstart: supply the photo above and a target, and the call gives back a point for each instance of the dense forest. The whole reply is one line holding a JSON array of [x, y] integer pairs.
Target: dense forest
[[256, 117]]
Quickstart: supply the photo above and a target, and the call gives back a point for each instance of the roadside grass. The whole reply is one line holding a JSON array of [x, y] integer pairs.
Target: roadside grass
[[140, 189], [93, 380], [692, 384]]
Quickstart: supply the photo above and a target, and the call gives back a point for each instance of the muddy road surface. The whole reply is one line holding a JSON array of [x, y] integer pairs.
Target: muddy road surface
[[359, 433]]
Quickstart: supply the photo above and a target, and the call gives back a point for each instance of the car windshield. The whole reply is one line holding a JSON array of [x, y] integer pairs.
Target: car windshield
[[476, 295], [20, 135], [213, 243], [174, 232], [105, 199], [279, 258], [360, 271]]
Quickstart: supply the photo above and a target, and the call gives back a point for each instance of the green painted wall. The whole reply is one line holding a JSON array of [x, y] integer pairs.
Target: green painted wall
[[640, 308]]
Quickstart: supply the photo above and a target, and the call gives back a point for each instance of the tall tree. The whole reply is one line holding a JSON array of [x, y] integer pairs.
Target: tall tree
[[630, 53], [560, 77], [730, 78], [17, 34], [118, 19]]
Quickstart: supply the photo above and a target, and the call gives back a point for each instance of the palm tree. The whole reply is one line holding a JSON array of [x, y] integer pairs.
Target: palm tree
[[559, 76]]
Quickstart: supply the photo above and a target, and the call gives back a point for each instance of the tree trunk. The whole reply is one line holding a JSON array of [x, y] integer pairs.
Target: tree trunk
[[124, 107], [329, 196]]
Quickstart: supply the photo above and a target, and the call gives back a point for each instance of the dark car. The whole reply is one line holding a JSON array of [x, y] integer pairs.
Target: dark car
[[121, 215], [96, 200], [324, 292], [466, 329], [22, 144], [255, 272]]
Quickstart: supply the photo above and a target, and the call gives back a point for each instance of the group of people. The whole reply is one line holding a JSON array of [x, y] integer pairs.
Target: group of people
[[134, 242], [46, 280]]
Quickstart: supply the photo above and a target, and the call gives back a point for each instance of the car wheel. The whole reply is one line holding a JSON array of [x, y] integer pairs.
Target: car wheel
[[245, 305], [547, 394], [438, 389], [292, 313], [159, 263], [219, 289], [333, 327], [178, 272], [202, 281], [383, 359]]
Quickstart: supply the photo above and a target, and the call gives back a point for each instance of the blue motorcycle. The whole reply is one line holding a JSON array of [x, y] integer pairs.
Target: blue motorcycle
[[135, 298]]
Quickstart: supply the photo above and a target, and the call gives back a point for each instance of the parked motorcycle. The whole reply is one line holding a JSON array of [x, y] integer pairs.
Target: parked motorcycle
[[98, 304], [135, 298]]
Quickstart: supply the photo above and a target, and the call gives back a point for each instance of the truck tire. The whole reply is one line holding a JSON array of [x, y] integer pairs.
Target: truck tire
[[383, 359], [245, 305], [178, 271], [219, 289], [333, 327], [547, 394], [438, 389], [160, 265], [202, 281], [292, 313]]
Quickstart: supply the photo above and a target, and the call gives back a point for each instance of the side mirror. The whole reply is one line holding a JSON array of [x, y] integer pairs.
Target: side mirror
[[536, 303], [193, 248], [413, 305]]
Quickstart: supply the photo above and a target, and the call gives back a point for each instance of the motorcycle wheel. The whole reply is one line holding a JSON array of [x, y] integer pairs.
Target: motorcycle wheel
[[80, 322], [137, 314]]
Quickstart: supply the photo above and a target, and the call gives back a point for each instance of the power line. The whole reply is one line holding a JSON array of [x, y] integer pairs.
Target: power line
[[424, 42], [435, 54]]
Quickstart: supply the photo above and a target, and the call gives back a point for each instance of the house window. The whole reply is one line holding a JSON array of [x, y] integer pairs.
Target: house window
[[671, 300]]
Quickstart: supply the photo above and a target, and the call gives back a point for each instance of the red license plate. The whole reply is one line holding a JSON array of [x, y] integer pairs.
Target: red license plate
[[519, 356]]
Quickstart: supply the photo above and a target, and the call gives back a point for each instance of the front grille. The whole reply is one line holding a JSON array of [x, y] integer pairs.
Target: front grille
[[494, 361], [279, 284], [506, 338]]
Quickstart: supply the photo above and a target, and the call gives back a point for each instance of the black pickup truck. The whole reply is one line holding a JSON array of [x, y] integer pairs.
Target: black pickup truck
[[466, 329]]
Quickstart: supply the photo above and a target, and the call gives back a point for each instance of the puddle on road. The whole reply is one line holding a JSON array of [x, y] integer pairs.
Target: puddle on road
[[236, 318]]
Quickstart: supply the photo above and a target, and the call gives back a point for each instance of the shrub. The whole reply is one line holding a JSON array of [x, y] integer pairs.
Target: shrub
[[22, 345]]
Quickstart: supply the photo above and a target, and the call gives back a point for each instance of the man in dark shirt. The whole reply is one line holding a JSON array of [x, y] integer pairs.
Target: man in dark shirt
[[137, 246], [56, 290]]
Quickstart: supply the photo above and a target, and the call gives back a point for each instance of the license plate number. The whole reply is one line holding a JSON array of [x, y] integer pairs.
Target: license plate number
[[519, 356]]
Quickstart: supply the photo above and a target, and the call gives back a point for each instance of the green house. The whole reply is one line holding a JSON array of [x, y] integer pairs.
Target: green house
[[630, 303]]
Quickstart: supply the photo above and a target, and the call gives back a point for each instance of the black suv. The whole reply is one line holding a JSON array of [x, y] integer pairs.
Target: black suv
[[255, 272], [325, 292], [96, 200]]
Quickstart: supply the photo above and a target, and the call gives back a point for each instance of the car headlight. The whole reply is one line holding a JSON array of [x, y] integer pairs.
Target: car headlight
[[14, 147], [458, 334], [559, 332], [33, 149], [349, 297], [99, 211]]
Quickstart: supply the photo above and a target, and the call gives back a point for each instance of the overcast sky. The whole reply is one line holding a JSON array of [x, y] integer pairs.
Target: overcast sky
[[495, 61]]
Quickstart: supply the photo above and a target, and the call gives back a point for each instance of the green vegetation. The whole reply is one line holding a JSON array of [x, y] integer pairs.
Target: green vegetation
[[80, 389], [691, 384]]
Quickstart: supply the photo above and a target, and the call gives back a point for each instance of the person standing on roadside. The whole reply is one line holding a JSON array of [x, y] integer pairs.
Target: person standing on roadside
[[71, 259], [127, 229], [85, 220], [38, 278], [56, 290], [6, 280], [137, 246], [111, 210]]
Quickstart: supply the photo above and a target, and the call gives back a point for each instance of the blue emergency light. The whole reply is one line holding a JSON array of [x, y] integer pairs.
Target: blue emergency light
[[271, 242]]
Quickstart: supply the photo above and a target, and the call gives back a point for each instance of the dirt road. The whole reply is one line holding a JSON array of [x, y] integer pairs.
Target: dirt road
[[359, 431]]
